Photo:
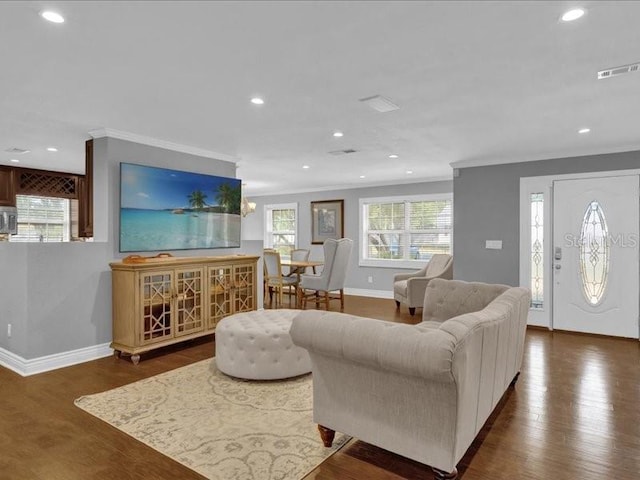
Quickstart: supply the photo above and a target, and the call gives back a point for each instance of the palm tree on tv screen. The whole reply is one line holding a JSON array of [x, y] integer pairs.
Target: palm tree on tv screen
[[228, 198], [197, 199]]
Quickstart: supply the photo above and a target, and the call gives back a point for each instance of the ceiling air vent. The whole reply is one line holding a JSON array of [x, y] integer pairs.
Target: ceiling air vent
[[614, 72], [17, 151], [380, 103], [343, 152]]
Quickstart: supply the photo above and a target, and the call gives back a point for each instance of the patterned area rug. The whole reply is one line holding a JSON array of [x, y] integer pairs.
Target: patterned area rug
[[223, 428]]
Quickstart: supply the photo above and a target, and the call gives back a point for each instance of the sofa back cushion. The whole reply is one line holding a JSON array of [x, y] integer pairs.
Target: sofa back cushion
[[445, 299]]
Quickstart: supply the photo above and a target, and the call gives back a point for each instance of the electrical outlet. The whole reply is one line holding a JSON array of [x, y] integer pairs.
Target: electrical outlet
[[8, 330], [370, 279]]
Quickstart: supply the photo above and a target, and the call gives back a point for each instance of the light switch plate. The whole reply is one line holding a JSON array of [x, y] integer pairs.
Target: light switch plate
[[493, 244]]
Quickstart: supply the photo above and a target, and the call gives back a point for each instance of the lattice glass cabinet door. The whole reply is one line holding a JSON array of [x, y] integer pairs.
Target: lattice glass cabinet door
[[220, 293], [188, 301], [243, 277], [156, 291]]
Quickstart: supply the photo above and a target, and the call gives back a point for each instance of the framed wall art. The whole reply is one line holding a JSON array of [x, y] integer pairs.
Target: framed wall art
[[162, 209], [327, 220]]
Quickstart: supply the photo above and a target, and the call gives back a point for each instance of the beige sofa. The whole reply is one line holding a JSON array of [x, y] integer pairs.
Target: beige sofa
[[422, 391]]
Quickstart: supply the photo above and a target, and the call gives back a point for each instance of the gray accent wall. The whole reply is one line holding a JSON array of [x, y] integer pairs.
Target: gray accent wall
[[253, 227], [486, 206], [57, 296]]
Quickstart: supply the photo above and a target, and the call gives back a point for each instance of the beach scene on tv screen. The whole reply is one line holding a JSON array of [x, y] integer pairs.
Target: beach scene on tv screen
[[162, 209]]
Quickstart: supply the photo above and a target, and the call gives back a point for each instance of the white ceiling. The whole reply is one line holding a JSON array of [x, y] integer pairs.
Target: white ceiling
[[477, 82]]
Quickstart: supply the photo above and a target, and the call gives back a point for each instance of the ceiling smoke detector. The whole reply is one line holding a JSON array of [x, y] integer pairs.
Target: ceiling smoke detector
[[380, 103], [614, 72], [343, 152], [17, 151]]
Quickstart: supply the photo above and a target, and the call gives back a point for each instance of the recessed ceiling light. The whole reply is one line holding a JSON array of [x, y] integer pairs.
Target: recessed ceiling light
[[409, 172], [393, 155], [257, 101], [572, 15], [52, 16], [338, 134], [584, 130], [306, 167], [361, 176], [52, 149], [15, 160]]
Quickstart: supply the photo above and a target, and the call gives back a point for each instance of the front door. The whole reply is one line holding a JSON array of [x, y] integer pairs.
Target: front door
[[595, 255]]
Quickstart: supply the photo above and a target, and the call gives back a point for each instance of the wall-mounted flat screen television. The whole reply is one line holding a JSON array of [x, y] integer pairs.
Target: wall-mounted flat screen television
[[162, 209]]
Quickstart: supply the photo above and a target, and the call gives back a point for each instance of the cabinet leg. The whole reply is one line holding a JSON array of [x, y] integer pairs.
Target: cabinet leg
[[117, 353], [135, 359]]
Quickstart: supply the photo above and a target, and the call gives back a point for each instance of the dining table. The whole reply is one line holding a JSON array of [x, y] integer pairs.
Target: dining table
[[298, 267]]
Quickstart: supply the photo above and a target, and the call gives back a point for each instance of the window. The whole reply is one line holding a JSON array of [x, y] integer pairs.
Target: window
[[594, 253], [400, 231], [537, 250], [42, 219], [281, 227]]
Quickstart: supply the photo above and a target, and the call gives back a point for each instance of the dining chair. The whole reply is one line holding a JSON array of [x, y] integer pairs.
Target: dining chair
[[274, 279], [266, 288], [331, 279], [298, 255]]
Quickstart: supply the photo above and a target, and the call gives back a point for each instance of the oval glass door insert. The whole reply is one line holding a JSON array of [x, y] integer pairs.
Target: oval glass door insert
[[594, 253]]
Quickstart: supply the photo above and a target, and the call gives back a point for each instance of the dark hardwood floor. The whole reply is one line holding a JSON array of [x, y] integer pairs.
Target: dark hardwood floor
[[574, 414]]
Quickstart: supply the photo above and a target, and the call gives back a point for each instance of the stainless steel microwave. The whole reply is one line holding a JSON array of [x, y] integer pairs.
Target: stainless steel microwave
[[8, 220]]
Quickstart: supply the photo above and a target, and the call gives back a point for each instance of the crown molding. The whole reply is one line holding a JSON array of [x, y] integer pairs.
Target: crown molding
[[560, 155], [156, 142], [350, 186]]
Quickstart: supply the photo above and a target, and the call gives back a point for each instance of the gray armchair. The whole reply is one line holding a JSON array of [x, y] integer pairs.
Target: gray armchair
[[409, 288]]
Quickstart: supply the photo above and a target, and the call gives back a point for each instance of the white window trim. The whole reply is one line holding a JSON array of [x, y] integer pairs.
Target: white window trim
[[267, 242], [390, 263]]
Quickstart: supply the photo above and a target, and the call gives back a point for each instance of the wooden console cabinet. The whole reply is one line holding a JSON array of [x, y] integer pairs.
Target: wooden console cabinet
[[161, 301]]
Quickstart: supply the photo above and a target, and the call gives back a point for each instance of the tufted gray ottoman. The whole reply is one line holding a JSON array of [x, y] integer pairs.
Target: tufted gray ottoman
[[256, 345]]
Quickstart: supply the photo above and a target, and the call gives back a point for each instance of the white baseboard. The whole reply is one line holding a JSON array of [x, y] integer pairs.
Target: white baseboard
[[26, 367], [363, 292]]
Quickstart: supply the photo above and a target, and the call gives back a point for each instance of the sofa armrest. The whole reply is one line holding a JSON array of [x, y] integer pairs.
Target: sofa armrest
[[400, 348]]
